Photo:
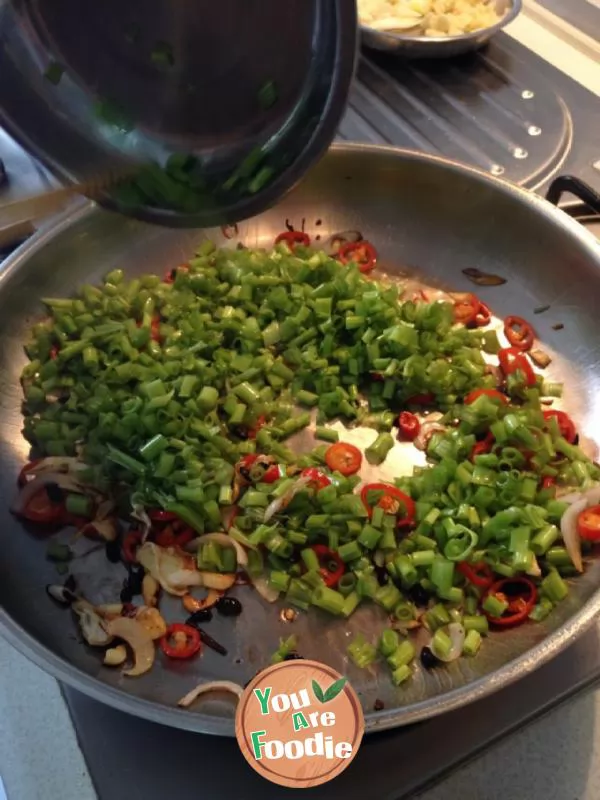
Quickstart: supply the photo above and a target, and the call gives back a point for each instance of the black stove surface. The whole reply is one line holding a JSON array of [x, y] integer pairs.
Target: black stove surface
[[130, 759]]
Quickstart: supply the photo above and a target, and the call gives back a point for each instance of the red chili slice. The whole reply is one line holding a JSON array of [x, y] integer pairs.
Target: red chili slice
[[471, 312], [483, 316], [479, 574], [519, 333], [159, 515], [274, 473], [40, 508], [260, 423], [512, 360], [393, 501], [423, 399], [172, 273], [363, 253], [344, 458], [155, 329], [588, 524], [184, 536], [166, 537], [466, 309], [54, 352], [131, 542], [566, 425], [409, 425], [293, 238], [181, 641], [235, 512], [483, 447], [318, 479], [331, 565], [494, 394], [521, 595]]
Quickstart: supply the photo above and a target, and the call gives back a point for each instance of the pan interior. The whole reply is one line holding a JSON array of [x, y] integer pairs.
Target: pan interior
[[429, 220]]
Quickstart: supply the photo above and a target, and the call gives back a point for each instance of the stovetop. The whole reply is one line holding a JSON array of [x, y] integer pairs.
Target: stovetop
[[503, 110]]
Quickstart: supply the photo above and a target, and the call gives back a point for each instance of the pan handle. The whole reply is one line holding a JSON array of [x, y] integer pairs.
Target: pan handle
[[568, 183]]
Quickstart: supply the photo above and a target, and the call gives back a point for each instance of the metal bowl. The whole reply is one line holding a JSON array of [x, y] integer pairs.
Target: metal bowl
[[148, 78], [412, 46], [428, 218]]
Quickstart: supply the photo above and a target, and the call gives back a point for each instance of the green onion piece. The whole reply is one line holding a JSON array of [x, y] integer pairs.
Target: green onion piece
[[362, 653], [472, 643], [377, 452]]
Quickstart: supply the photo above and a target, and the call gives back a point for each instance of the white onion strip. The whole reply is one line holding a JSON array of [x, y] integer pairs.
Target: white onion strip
[[266, 591], [428, 429], [456, 632], [568, 523], [281, 502], [213, 686], [224, 540], [31, 488]]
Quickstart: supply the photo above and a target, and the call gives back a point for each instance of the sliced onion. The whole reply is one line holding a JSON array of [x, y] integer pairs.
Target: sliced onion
[[140, 641], [568, 523], [139, 513], [266, 591], [106, 529], [93, 627], [570, 535], [491, 369], [282, 502], [428, 429], [152, 621], [456, 632], [193, 604], [591, 495], [221, 581], [31, 488], [212, 686], [173, 569], [65, 464], [224, 540], [339, 239], [534, 568]]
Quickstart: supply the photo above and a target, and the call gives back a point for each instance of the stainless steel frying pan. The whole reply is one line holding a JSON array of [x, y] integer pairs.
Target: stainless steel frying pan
[[429, 218]]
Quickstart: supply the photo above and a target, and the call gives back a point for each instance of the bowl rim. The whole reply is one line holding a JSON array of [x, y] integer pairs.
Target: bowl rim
[[511, 14]]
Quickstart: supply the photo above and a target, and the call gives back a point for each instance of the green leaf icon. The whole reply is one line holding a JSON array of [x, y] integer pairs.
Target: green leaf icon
[[334, 689], [318, 692]]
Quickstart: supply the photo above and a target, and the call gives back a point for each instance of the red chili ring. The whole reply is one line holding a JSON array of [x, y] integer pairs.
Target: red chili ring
[[367, 255], [521, 610], [519, 333], [189, 649], [293, 238]]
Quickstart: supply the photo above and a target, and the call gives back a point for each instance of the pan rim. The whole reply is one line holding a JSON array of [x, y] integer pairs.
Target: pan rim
[[120, 699]]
